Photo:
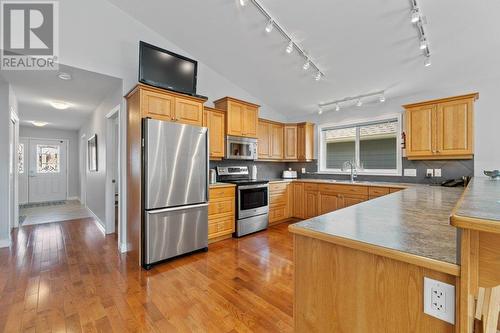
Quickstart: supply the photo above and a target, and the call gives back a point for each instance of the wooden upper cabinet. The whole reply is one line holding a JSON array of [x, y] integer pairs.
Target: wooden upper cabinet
[[420, 129], [188, 112], [290, 142], [305, 141], [157, 105], [263, 139], [441, 129], [215, 121], [277, 141], [454, 128], [241, 118], [167, 105]]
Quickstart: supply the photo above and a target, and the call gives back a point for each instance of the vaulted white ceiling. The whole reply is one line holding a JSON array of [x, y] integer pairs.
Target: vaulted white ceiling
[[36, 89], [362, 46]]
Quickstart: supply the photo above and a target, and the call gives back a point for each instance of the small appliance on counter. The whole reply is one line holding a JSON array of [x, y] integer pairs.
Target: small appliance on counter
[[252, 199], [212, 176], [289, 174]]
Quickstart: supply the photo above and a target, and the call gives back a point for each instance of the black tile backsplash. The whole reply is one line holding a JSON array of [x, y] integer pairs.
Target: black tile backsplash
[[449, 169]]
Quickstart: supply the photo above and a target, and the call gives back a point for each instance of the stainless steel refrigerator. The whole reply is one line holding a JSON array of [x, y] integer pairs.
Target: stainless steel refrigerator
[[175, 190]]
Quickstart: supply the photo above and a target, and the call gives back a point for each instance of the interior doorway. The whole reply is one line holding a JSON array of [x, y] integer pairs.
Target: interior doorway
[[113, 177]]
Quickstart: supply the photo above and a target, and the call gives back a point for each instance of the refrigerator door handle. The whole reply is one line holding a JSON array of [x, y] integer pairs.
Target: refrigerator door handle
[[173, 209], [207, 190]]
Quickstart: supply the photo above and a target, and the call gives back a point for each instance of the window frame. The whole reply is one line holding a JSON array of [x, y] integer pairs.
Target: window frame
[[361, 122]]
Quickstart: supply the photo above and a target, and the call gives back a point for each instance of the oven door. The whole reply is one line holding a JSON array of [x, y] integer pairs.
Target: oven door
[[253, 200], [241, 148]]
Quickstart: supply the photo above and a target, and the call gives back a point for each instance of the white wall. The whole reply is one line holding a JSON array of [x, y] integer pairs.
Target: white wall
[[8, 103], [487, 116], [96, 181], [73, 151]]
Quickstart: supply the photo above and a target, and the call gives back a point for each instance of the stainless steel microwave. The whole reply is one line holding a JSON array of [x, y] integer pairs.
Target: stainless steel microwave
[[238, 148]]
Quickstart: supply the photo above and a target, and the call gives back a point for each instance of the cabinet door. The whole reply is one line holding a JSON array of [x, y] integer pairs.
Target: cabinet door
[[215, 123], [454, 128], [301, 142], [420, 130], [346, 201], [263, 143], [235, 119], [276, 141], [157, 106], [311, 204], [305, 142], [290, 150], [250, 120], [188, 112], [328, 202], [298, 200]]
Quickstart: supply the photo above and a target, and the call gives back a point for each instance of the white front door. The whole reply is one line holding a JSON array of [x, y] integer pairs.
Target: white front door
[[47, 179], [22, 156]]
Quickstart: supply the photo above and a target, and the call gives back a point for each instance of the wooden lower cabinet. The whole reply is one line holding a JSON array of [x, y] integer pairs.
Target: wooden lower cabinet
[[221, 213], [279, 202], [298, 200], [328, 202], [310, 200]]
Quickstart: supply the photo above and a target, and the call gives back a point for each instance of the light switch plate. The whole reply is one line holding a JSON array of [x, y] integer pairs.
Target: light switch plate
[[410, 172], [429, 173], [303, 170], [437, 172], [439, 300]]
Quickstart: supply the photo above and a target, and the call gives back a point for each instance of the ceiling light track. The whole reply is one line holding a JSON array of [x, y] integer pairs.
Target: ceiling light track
[[291, 45], [418, 19], [357, 100]]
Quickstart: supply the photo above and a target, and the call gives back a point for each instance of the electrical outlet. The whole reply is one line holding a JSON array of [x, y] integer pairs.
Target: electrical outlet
[[429, 173], [437, 172], [410, 172], [439, 300], [303, 170]]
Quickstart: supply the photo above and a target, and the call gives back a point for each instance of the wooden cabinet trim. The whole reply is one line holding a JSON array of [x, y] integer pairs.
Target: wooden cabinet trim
[[473, 96]]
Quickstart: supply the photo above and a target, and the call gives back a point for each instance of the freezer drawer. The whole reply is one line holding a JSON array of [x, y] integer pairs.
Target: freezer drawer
[[174, 231]]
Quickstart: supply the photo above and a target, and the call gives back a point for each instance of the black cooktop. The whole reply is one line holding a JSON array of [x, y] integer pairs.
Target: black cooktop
[[245, 181]]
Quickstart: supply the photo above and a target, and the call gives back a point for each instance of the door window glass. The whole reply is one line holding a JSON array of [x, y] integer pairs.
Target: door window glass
[[20, 158], [48, 159]]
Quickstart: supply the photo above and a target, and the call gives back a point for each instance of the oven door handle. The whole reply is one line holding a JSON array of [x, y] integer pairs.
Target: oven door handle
[[249, 187]]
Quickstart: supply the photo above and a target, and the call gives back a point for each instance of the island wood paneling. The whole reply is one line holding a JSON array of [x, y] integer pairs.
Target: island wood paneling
[[339, 289]]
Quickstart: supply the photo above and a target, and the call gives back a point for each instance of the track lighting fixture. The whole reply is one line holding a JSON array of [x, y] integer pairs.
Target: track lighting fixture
[[418, 19], [270, 26], [306, 65], [355, 100], [320, 110]]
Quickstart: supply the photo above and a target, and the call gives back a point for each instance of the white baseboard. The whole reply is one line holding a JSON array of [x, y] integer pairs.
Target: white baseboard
[[98, 221], [73, 198], [4, 242]]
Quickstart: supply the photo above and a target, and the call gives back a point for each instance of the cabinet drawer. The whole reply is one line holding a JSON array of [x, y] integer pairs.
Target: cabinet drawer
[[277, 187], [278, 199], [220, 227], [277, 214], [378, 191], [221, 192], [352, 189], [310, 187], [220, 206], [327, 188]]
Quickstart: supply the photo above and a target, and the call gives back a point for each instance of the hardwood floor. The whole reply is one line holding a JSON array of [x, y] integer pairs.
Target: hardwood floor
[[69, 277]]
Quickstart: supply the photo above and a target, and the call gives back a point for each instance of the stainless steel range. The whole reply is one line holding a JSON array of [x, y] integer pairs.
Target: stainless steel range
[[252, 199]]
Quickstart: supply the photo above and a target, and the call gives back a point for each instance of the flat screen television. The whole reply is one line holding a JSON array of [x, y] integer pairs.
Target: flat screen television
[[165, 69]]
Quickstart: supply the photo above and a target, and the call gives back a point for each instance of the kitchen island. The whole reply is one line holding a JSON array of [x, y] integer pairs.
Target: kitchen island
[[361, 268]]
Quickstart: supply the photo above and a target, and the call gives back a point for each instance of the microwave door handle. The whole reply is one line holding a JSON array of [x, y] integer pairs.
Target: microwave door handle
[[247, 187]]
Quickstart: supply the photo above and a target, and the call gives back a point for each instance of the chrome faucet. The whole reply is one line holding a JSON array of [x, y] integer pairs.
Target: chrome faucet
[[354, 173]]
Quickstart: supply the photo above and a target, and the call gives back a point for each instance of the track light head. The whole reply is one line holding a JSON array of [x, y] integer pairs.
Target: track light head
[[243, 3], [415, 15], [306, 65], [320, 110], [337, 107], [381, 98], [289, 47], [318, 76], [359, 102], [427, 62], [270, 26], [423, 43]]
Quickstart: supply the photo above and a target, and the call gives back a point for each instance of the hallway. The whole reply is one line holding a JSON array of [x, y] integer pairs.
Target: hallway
[[70, 277]]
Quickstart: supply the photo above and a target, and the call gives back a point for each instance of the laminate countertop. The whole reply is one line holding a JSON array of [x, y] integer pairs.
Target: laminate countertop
[[340, 182], [480, 206], [215, 185], [412, 224]]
